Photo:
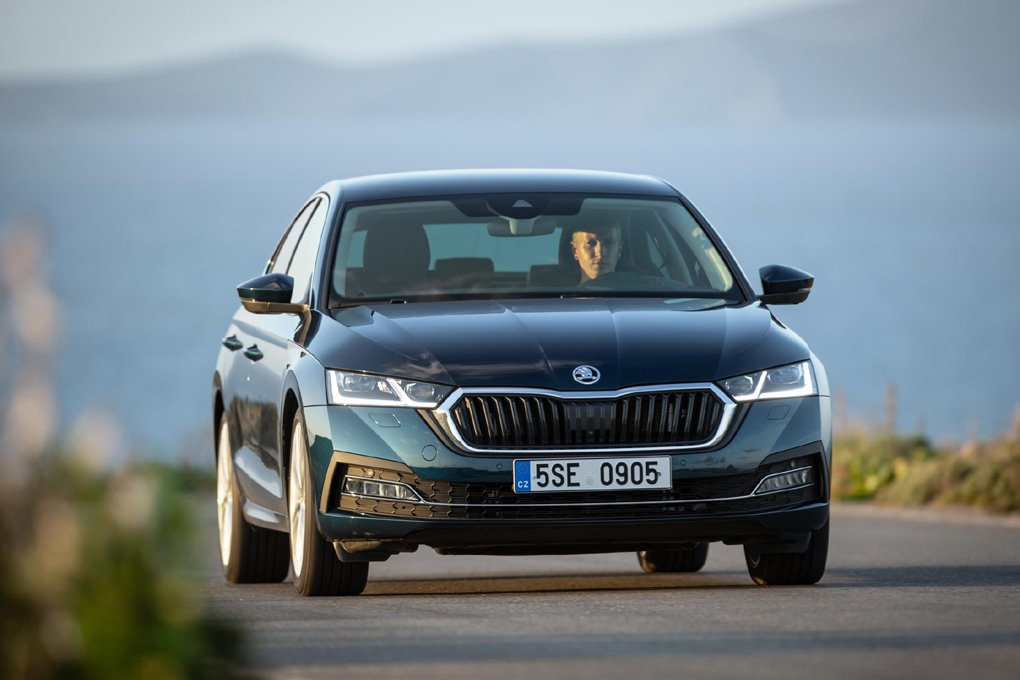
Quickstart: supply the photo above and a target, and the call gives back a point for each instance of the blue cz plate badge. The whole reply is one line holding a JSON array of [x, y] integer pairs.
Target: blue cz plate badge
[[592, 474]]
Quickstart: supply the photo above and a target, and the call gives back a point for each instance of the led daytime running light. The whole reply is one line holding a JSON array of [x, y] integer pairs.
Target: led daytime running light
[[763, 388], [358, 389], [359, 486], [785, 480]]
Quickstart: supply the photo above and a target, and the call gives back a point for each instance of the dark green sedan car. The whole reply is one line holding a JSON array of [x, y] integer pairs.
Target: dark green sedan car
[[509, 363]]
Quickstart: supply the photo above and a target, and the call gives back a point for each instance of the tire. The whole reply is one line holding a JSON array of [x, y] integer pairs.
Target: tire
[[674, 561], [790, 569], [248, 554], [317, 569]]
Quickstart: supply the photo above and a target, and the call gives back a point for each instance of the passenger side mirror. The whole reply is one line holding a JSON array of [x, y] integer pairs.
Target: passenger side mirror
[[270, 294], [782, 285]]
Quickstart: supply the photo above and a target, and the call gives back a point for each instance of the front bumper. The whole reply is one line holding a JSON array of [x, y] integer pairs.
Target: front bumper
[[401, 443], [380, 537]]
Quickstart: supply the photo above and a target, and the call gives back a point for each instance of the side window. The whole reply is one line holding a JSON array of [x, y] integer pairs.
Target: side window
[[303, 262], [282, 254]]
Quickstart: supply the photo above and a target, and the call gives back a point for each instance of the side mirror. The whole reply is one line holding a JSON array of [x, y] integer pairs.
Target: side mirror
[[270, 294], [782, 285]]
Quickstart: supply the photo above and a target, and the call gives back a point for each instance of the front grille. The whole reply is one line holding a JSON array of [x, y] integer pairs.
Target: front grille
[[717, 495], [524, 421]]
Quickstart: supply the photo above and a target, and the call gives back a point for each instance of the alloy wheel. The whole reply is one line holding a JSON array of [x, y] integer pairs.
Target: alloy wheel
[[224, 494], [297, 511]]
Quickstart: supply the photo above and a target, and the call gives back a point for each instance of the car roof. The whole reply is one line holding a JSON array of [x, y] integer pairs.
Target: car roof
[[454, 182]]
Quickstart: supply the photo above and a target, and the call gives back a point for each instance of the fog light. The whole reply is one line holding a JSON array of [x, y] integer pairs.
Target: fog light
[[785, 480], [358, 486]]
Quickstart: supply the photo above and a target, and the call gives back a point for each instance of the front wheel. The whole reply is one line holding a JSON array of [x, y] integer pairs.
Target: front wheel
[[674, 561], [790, 569], [317, 569]]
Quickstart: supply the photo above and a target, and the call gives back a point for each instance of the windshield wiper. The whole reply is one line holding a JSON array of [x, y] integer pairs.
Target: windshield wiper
[[358, 303]]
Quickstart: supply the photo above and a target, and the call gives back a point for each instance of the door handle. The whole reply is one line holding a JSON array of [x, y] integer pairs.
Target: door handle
[[253, 353], [232, 343]]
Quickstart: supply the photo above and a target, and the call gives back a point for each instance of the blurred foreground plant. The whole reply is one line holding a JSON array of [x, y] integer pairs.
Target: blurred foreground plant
[[94, 579], [94, 563]]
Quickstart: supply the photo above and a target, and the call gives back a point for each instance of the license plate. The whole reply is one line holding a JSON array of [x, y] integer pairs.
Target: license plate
[[592, 474]]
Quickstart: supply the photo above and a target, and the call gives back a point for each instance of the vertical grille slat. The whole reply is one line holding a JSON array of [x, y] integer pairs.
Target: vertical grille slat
[[483, 405], [516, 424], [540, 409], [649, 419], [688, 407], [529, 423], [554, 410], [701, 416], [674, 415], [633, 428], [502, 421], [712, 406], [660, 435], [471, 409]]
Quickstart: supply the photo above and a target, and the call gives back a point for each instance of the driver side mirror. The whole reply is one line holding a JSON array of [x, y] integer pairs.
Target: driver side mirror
[[782, 285], [270, 294]]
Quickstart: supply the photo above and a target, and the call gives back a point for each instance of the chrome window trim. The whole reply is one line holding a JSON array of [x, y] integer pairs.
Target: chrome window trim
[[442, 414]]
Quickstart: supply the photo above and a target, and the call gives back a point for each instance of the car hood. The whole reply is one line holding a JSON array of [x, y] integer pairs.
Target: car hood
[[539, 342]]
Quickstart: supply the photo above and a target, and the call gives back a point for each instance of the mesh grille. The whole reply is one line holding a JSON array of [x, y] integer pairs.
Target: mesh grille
[[528, 421]]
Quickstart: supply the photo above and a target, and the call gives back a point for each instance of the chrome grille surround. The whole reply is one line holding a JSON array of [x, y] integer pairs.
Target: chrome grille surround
[[446, 421]]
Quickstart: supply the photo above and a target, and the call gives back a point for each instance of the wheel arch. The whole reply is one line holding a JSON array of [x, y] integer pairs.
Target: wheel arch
[[290, 404], [218, 409]]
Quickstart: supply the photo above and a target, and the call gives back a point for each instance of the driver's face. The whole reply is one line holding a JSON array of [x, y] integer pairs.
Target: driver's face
[[597, 252]]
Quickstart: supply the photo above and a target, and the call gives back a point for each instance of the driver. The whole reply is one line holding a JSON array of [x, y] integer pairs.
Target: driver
[[597, 247]]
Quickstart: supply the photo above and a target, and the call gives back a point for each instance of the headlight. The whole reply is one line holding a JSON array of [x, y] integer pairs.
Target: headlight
[[360, 389], [794, 380]]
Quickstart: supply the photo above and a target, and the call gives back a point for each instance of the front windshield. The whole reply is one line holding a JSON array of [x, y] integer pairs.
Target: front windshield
[[533, 245]]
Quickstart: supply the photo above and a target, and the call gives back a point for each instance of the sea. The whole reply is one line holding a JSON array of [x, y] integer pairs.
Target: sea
[[911, 229]]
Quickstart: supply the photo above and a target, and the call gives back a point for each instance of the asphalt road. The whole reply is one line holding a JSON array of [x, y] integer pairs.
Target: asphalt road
[[905, 596]]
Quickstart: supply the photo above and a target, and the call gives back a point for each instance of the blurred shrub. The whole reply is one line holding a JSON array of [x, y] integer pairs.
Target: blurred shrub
[[94, 578], [985, 475], [902, 470], [94, 562], [864, 462]]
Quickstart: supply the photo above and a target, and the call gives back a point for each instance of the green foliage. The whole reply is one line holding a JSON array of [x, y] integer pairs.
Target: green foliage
[[902, 470], [94, 578], [863, 463]]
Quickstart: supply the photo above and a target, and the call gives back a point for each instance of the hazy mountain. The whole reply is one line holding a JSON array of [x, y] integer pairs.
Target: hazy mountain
[[866, 59]]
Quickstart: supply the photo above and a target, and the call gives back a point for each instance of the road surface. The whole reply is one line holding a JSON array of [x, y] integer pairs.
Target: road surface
[[906, 595]]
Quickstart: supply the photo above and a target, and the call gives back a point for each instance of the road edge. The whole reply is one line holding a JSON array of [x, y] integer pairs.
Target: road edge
[[941, 515]]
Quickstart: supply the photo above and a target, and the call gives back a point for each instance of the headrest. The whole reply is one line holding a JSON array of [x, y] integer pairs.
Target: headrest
[[550, 276], [456, 266], [396, 248]]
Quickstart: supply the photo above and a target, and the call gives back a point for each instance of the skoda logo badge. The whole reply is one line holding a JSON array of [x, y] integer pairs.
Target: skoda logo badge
[[586, 375]]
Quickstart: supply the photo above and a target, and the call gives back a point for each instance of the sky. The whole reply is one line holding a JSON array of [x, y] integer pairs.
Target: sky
[[70, 38]]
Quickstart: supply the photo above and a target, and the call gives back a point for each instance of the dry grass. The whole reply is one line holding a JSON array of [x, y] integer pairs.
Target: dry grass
[[904, 470]]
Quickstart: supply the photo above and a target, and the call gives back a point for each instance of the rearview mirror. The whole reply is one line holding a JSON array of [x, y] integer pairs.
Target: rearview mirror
[[508, 226], [782, 285], [270, 294]]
